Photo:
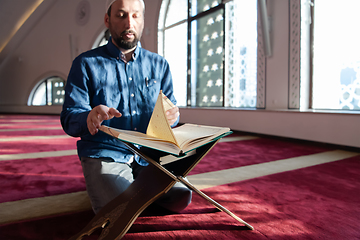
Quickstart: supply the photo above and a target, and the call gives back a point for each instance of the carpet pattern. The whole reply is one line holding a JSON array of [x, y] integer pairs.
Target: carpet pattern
[[316, 202]]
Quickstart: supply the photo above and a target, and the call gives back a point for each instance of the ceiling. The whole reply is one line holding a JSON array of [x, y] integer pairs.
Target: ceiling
[[13, 14]]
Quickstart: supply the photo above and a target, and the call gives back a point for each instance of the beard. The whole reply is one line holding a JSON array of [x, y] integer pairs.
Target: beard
[[123, 43]]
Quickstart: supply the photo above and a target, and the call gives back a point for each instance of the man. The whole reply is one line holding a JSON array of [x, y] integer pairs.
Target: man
[[117, 85]]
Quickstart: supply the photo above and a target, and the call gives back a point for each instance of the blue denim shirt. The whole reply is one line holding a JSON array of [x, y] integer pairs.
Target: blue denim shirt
[[99, 76]]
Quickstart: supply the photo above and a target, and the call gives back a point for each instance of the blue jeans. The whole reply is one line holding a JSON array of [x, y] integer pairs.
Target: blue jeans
[[106, 179]]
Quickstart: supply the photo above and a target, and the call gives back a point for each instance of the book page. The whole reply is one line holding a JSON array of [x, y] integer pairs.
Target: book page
[[166, 102], [159, 126], [190, 132], [128, 134], [141, 139]]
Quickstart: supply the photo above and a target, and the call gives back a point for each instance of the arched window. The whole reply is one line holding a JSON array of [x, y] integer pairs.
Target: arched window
[[48, 92], [102, 39], [212, 51]]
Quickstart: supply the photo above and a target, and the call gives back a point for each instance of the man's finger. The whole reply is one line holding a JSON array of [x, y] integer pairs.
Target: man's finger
[[98, 114], [172, 111], [114, 113]]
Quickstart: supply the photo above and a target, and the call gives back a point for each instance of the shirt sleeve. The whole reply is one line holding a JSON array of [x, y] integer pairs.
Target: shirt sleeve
[[167, 87], [77, 101]]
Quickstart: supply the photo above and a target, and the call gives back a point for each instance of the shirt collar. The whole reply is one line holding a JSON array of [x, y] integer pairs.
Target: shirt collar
[[115, 52]]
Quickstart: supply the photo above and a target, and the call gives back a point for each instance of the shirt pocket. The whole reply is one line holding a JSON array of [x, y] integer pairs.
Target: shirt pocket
[[151, 83], [151, 91], [153, 86]]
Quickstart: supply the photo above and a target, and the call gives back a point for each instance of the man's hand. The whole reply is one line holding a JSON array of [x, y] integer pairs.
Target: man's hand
[[97, 115], [172, 115]]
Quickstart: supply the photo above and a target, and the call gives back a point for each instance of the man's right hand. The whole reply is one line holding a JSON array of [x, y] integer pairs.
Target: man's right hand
[[97, 115]]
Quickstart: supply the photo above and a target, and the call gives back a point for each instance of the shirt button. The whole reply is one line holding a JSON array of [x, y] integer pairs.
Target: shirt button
[[132, 95], [130, 78], [134, 112]]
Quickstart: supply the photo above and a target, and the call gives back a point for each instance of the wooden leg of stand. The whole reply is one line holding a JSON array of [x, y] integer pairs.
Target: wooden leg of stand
[[217, 205], [117, 216], [190, 162], [155, 180]]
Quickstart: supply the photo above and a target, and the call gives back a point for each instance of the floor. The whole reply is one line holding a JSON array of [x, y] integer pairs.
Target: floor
[[78, 201]]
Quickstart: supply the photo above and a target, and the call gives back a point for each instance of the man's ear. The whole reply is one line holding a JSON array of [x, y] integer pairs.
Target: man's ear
[[106, 20]]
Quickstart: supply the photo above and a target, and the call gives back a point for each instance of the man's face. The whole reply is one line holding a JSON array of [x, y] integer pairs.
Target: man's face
[[126, 23]]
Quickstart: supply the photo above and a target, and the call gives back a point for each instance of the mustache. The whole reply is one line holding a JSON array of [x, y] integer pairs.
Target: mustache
[[128, 31]]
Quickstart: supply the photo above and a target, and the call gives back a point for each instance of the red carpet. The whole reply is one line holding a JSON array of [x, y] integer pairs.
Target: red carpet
[[227, 155], [39, 177], [24, 125], [319, 202], [50, 132], [38, 145], [51, 176], [311, 203]]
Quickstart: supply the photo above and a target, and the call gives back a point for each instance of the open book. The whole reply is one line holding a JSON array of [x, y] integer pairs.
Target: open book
[[161, 136]]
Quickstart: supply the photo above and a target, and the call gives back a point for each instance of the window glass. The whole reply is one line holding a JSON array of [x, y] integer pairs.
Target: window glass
[[198, 6], [39, 98], [241, 54], [177, 11], [336, 60], [56, 87], [175, 52], [305, 52], [207, 59], [48, 92]]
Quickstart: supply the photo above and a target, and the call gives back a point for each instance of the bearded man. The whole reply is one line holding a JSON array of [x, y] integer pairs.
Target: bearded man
[[117, 85]]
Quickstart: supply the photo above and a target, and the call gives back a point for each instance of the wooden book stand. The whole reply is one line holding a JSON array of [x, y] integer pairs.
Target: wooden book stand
[[155, 180]]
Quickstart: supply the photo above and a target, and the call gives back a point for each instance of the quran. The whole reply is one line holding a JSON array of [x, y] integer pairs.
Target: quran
[[159, 134]]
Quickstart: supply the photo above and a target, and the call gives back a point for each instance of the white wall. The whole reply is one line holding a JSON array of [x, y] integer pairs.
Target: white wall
[[43, 47], [46, 44]]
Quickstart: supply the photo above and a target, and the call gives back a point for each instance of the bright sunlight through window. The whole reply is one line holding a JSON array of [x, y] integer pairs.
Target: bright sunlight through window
[[336, 62]]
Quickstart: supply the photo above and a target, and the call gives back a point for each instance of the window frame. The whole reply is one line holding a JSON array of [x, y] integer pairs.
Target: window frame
[[261, 50]]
